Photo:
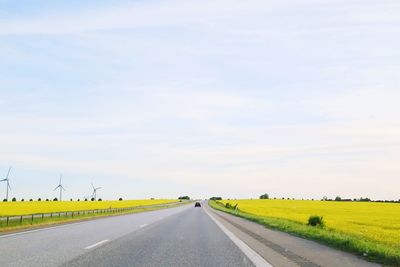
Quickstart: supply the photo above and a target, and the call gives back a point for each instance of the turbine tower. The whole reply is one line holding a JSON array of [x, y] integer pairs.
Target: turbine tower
[[94, 194], [59, 186], [7, 179]]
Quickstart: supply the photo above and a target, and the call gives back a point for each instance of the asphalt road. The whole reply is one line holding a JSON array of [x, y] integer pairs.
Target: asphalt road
[[182, 236]]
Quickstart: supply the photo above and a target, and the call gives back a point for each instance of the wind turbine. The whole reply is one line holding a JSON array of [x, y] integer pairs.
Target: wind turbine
[[95, 191], [59, 186], [8, 181]]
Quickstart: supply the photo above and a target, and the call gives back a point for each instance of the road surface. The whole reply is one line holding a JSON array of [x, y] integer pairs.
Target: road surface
[[181, 236]]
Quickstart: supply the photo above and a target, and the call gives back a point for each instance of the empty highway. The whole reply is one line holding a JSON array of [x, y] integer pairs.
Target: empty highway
[[180, 236]]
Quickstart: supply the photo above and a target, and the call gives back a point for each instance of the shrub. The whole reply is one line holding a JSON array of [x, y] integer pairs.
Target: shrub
[[92, 199], [316, 220], [70, 199], [55, 199], [85, 199], [31, 199], [39, 199], [47, 199], [184, 198], [22, 200], [216, 198], [264, 196], [5, 200], [99, 199], [78, 200], [120, 199], [338, 198], [13, 199]]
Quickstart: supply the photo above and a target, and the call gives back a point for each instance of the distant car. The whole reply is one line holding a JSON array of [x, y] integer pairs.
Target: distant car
[[197, 204]]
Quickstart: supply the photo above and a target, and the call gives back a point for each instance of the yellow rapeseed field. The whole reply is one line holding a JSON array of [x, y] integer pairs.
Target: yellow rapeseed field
[[32, 207], [378, 222]]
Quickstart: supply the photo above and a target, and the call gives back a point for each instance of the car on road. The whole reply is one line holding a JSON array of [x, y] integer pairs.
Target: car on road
[[197, 204]]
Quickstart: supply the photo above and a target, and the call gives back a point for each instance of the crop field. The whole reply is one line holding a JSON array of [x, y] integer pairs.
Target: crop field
[[34, 207], [363, 227]]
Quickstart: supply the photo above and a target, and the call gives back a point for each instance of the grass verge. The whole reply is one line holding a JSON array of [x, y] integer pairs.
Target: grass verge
[[367, 249], [58, 220]]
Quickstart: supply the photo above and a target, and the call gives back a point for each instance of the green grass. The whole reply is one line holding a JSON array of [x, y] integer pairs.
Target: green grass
[[355, 244], [26, 223]]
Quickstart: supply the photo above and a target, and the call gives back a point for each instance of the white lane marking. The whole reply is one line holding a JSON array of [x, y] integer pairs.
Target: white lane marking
[[97, 244], [251, 254], [143, 225]]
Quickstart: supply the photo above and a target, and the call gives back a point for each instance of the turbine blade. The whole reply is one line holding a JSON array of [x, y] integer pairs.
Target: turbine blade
[[8, 173], [93, 186], [3, 180], [56, 188], [63, 188]]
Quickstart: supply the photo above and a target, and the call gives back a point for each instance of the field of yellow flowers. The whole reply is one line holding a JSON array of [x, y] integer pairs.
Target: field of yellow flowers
[[33, 207], [379, 222]]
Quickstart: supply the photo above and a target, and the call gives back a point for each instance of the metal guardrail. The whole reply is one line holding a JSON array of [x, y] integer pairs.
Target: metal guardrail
[[15, 220]]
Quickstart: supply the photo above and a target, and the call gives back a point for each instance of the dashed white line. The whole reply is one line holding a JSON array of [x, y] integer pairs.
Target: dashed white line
[[97, 244], [143, 225]]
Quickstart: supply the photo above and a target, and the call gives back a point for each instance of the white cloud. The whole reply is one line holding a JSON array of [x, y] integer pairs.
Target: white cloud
[[280, 96]]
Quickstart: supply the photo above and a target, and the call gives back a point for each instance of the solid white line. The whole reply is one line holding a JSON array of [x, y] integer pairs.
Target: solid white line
[[97, 244], [143, 225], [251, 254]]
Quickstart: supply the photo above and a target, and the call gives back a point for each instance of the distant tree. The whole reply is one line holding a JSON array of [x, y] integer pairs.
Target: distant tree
[[184, 198], [70, 199], [78, 199], [5, 200], [364, 199], [215, 198], [99, 199], [55, 199], [264, 196], [31, 199], [92, 199], [120, 199], [338, 198], [13, 199], [324, 198], [152, 198], [39, 199], [47, 199], [86, 199], [22, 200]]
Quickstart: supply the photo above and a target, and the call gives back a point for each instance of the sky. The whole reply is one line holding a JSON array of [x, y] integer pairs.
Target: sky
[[160, 99]]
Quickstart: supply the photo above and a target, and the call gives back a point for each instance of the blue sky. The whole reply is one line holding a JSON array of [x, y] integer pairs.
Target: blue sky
[[164, 98]]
